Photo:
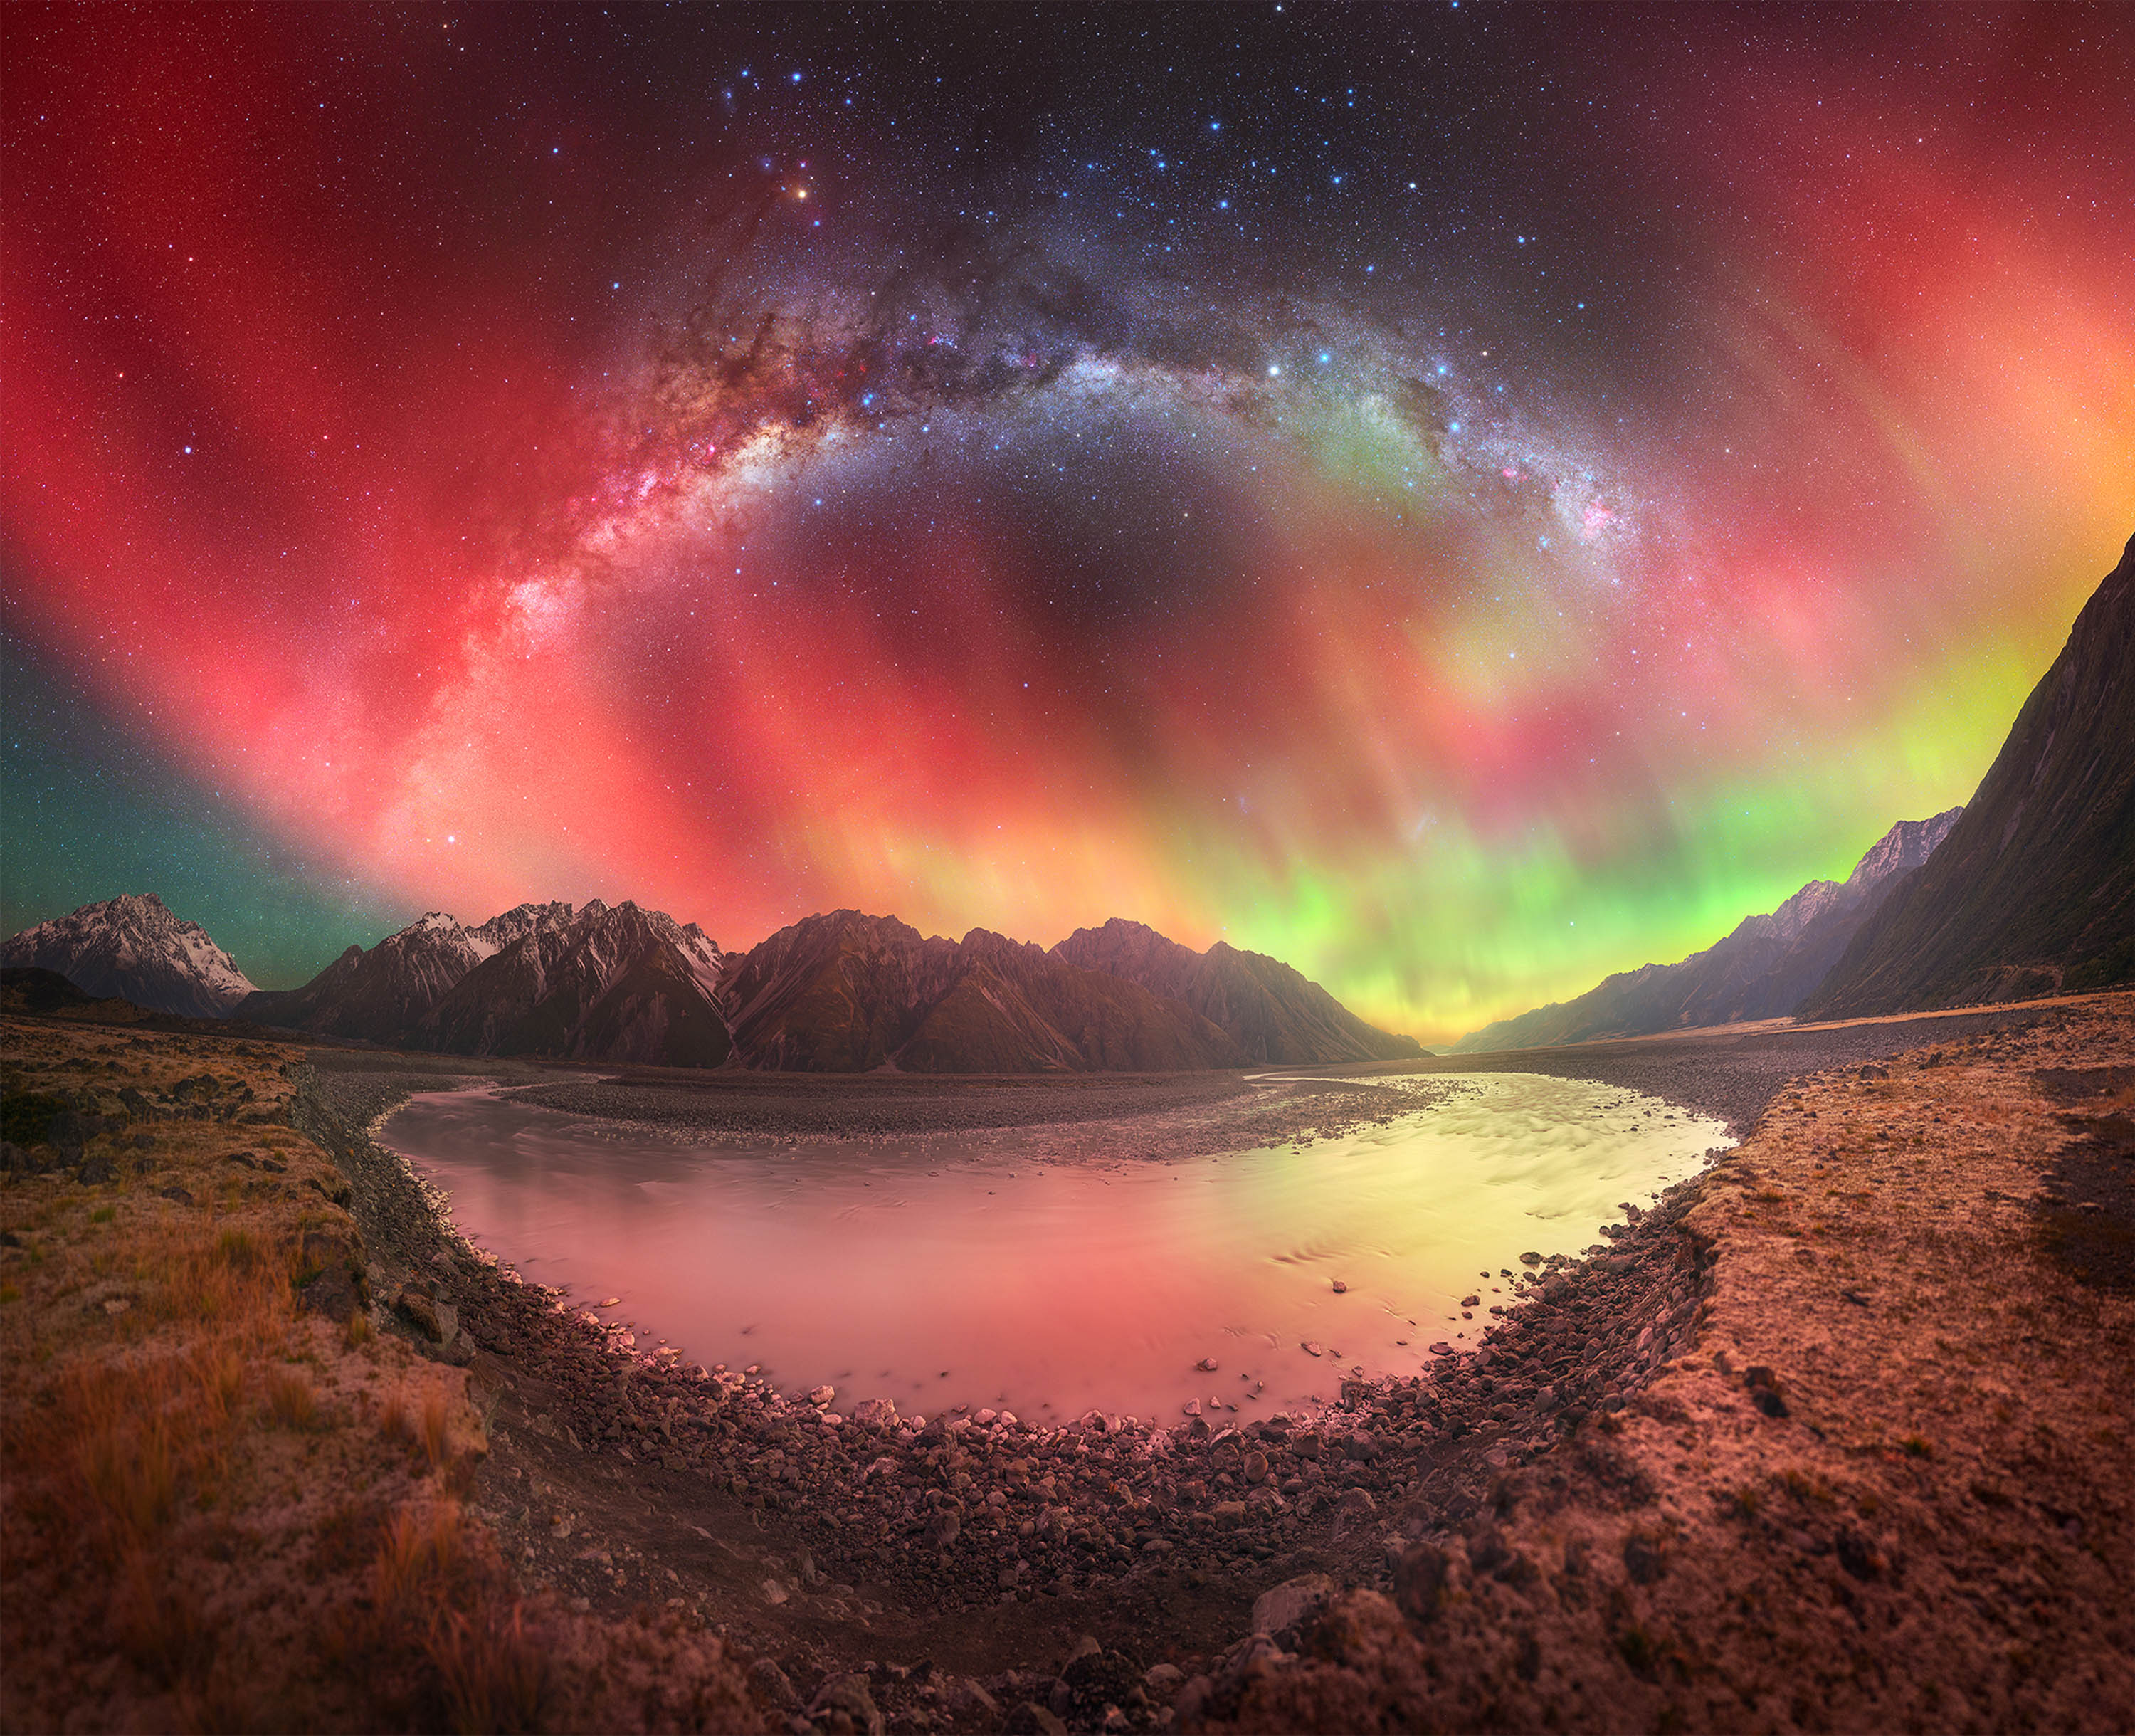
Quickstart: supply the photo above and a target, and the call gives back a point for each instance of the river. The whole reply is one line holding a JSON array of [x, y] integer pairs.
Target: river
[[960, 1271]]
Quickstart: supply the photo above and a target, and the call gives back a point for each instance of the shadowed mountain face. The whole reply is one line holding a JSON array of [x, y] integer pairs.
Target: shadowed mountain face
[[621, 984], [850, 993], [841, 993], [375, 995], [1273, 1013], [134, 948], [624, 984], [2034, 890], [1761, 971]]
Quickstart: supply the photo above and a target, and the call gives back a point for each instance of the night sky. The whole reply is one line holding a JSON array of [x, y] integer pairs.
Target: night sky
[[1463, 498]]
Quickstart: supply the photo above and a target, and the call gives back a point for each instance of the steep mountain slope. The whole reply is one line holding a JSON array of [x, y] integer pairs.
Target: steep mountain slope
[[1017, 1008], [1274, 1013], [134, 947], [619, 984], [375, 995], [848, 992], [835, 993], [1761, 971], [2034, 888]]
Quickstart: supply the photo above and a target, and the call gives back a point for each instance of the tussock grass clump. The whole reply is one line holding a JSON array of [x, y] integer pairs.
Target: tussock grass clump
[[292, 1400], [492, 1674], [435, 1439]]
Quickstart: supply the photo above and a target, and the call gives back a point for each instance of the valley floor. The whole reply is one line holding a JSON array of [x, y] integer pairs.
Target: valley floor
[[1821, 1442]]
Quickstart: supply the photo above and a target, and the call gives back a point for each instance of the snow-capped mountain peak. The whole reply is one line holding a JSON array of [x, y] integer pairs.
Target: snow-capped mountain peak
[[135, 947]]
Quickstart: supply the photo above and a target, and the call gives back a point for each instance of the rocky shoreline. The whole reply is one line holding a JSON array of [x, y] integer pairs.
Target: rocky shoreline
[[890, 1531], [1883, 1483], [1818, 1440]]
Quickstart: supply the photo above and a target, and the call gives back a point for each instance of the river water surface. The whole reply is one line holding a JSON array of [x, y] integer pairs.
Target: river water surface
[[960, 1273]]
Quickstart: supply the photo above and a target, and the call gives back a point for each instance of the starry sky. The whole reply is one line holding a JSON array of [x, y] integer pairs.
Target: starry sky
[[1464, 498]]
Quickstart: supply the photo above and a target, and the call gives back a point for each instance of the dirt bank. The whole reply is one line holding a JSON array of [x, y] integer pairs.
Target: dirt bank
[[1728, 1072], [1883, 1484]]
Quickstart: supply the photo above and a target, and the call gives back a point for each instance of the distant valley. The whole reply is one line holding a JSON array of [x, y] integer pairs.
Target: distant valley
[[2028, 889], [1761, 971]]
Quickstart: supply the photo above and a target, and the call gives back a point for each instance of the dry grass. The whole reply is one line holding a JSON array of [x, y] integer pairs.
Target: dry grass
[[423, 1552], [199, 1529], [435, 1435], [493, 1675], [293, 1402], [393, 1417]]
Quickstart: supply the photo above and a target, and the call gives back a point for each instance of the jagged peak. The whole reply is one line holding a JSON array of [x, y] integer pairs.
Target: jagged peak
[[1906, 845], [147, 903]]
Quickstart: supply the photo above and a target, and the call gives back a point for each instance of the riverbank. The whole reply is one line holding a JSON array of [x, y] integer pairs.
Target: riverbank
[[1886, 1483], [226, 1502], [977, 1574]]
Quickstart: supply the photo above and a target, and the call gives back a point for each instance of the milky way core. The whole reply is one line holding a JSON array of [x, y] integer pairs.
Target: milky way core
[[1462, 499]]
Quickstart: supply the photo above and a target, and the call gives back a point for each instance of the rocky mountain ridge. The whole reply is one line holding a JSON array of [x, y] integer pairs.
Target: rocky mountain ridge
[[133, 947], [1763, 970], [2034, 891], [1274, 1013], [849, 992], [843, 991], [621, 984]]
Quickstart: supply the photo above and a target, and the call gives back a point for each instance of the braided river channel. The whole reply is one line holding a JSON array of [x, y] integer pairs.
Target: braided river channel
[[966, 1272]]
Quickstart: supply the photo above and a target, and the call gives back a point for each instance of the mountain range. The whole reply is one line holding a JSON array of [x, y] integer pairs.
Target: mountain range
[[1270, 1011], [2034, 889], [2028, 889], [848, 993], [1761, 971], [842, 992]]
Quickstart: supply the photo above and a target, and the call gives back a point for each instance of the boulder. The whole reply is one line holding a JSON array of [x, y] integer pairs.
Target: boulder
[[418, 1311], [1283, 1608], [843, 1707], [770, 1684], [334, 1293]]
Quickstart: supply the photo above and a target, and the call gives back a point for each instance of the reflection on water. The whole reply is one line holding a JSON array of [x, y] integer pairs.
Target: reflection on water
[[963, 1275]]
